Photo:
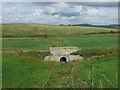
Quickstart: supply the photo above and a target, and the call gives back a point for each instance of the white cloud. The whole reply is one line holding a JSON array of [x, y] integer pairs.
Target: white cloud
[[37, 12], [78, 8], [13, 8], [61, 5], [93, 11], [58, 13]]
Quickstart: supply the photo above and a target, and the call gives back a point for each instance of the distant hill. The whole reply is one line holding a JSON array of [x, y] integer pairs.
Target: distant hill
[[82, 25], [104, 26], [42, 30]]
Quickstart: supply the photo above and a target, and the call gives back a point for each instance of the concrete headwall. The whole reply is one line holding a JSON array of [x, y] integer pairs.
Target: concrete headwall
[[68, 58], [59, 52]]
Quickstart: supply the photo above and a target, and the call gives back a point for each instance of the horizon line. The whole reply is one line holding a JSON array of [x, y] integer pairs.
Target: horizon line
[[57, 24]]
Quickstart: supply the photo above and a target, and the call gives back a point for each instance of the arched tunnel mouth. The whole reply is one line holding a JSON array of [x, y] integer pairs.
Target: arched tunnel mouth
[[63, 60]]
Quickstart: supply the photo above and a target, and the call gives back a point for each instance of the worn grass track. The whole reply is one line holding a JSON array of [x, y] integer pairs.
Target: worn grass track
[[84, 74], [64, 76]]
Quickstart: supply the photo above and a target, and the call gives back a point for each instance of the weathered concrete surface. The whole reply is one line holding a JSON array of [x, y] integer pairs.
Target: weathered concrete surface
[[59, 52]]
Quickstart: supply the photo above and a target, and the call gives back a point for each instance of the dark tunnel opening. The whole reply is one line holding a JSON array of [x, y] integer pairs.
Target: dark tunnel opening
[[63, 60]]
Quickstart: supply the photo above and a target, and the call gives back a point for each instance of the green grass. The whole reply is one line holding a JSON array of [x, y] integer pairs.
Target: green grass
[[0, 71], [88, 53], [54, 35], [28, 44], [39, 55], [25, 29], [23, 73], [91, 41], [102, 72], [45, 43], [86, 74]]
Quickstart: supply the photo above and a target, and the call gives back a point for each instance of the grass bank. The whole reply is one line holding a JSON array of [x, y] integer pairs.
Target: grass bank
[[24, 73]]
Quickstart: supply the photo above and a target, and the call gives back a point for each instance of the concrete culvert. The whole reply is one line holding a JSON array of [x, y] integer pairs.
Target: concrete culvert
[[63, 60], [63, 54]]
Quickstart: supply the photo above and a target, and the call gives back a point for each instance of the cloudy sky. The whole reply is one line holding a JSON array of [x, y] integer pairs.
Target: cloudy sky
[[60, 12]]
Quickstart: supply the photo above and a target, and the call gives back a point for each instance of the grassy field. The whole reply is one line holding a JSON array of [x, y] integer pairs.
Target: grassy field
[[45, 36], [45, 43], [93, 52], [23, 73], [102, 73], [19, 72], [26, 69], [92, 41], [24, 30], [28, 44]]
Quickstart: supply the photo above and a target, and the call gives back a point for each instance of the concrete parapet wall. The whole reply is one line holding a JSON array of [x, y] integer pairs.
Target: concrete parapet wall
[[63, 50]]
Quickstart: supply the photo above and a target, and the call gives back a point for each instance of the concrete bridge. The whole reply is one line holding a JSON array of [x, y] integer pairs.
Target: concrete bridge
[[62, 54]]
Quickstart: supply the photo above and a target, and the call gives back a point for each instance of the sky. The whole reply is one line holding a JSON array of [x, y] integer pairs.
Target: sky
[[60, 12]]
